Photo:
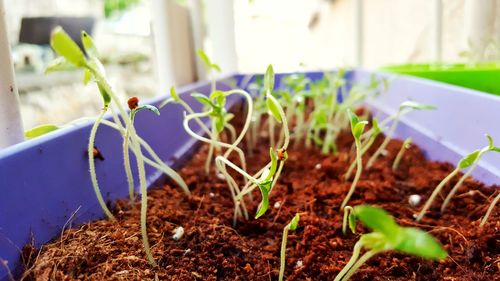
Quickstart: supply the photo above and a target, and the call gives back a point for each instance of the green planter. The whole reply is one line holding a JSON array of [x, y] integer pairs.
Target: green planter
[[484, 77]]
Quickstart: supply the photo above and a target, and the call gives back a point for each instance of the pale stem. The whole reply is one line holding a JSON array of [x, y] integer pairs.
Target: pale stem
[[352, 260], [400, 154], [490, 209], [356, 176], [359, 263], [347, 211], [457, 186], [283, 252], [436, 191], [93, 175], [384, 144]]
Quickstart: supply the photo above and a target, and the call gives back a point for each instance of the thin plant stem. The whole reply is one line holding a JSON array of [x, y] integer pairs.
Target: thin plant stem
[[356, 176], [93, 175], [400, 154], [365, 148], [128, 169], [351, 262], [384, 144], [283, 252], [490, 209], [271, 125], [457, 186], [347, 211], [436, 191], [359, 263]]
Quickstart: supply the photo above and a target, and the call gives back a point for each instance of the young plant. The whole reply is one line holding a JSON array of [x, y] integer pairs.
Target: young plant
[[475, 160], [71, 54], [357, 128], [366, 144], [291, 226], [404, 108], [490, 209], [405, 146], [469, 160], [387, 235]]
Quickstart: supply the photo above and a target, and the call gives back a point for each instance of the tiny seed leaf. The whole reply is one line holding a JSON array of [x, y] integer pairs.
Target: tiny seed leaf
[[274, 164], [269, 79], [203, 99], [89, 46], [294, 222], [264, 204], [468, 160], [378, 220], [64, 46], [417, 242], [40, 130], [174, 94], [87, 75], [273, 106]]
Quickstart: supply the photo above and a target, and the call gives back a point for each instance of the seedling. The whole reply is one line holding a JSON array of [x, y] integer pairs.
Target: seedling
[[405, 146], [71, 54], [348, 220], [490, 147], [291, 226], [404, 108], [375, 131], [387, 235], [490, 209], [357, 128]]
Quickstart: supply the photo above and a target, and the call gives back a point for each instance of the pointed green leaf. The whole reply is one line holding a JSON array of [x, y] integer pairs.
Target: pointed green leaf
[[40, 130], [203, 99], [274, 107], [264, 204], [149, 107], [468, 160], [419, 243], [274, 164], [64, 46], [357, 127], [352, 222], [216, 67], [269, 79], [88, 45], [173, 94], [378, 220], [294, 222]]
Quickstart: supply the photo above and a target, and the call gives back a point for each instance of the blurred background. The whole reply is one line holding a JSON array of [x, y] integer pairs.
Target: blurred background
[[148, 45]]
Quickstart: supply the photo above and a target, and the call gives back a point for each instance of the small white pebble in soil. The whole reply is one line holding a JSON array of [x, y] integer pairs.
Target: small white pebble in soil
[[187, 251], [221, 176], [318, 166], [178, 233], [414, 200], [299, 264], [277, 205], [211, 194]]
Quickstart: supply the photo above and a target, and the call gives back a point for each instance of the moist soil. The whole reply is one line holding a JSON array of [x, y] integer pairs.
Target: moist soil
[[312, 184]]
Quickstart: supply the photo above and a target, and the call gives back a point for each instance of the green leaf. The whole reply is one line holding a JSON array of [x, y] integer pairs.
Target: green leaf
[[357, 127], [378, 220], [149, 107], [174, 94], [264, 204], [219, 124], [352, 222], [416, 106], [490, 141], [294, 222], [274, 164], [417, 242], [203, 99], [375, 126], [274, 107], [269, 79], [40, 130], [216, 67], [63, 45], [105, 96], [87, 75], [59, 64], [219, 97], [88, 45], [204, 58], [468, 160]]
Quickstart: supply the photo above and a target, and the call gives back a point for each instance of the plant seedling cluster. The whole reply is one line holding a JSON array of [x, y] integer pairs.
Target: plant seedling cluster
[[315, 111]]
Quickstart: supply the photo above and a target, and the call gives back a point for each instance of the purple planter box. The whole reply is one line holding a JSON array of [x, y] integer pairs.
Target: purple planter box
[[45, 180]]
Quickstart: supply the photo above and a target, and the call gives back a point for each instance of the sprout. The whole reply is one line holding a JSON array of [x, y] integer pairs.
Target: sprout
[[357, 128], [292, 225], [404, 108], [387, 235], [471, 160], [348, 219], [72, 55], [40, 130], [455, 188], [405, 146], [490, 209]]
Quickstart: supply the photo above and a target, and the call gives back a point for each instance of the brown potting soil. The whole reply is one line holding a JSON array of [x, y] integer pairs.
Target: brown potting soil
[[312, 184]]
